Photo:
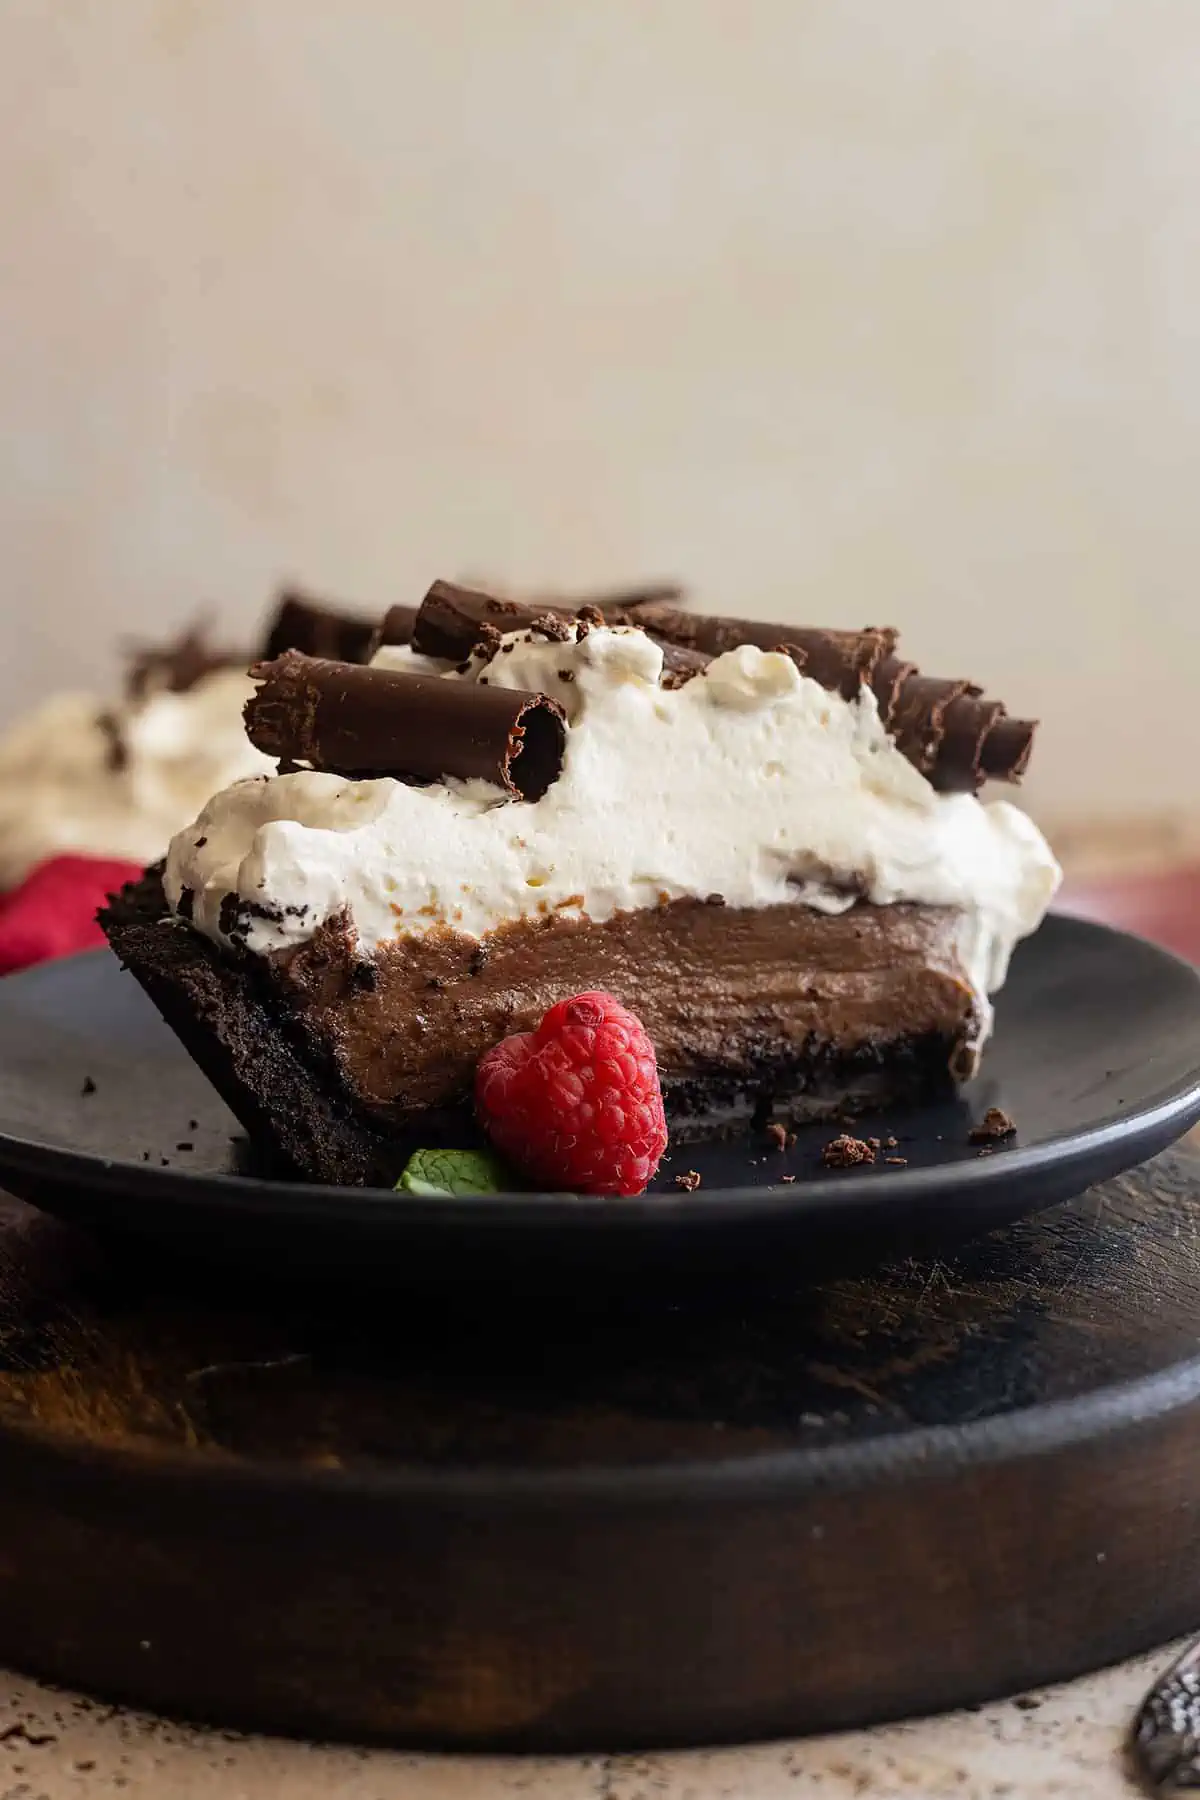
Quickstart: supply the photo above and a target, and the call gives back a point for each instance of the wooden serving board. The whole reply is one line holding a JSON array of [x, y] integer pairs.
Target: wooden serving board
[[545, 1528]]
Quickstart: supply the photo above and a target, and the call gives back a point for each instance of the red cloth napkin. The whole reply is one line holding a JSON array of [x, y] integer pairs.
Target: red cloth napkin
[[53, 912]]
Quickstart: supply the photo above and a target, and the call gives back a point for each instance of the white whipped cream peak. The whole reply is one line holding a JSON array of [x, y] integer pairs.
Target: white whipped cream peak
[[60, 790], [750, 781]]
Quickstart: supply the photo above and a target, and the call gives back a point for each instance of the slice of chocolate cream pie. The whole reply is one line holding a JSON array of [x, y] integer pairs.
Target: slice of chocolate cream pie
[[765, 840]]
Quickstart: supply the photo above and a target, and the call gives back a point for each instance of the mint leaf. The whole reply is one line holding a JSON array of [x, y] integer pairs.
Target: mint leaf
[[449, 1172]]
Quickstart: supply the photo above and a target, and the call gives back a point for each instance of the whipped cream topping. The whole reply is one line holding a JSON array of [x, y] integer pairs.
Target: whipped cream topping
[[750, 781], [65, 786]]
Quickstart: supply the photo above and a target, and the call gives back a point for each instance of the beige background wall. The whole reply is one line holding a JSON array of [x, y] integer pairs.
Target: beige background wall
[[847, 310]]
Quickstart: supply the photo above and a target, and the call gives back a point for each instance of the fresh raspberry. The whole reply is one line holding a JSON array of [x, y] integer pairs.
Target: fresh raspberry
[[576, 1103]]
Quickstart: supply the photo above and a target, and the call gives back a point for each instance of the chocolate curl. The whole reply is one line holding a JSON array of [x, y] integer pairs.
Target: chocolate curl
[[706, 633], [397, 627], [177, 666], [360, 721], [968, 723], [916, 716], [449, 619], [840, 660], [949, 730], [946, 728], [1005, 749], [454, 621], [301, 623], [887, 683]]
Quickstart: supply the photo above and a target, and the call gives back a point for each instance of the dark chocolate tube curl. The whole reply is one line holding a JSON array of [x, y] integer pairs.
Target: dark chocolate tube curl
[[360, 721], [450, 619], [397, 627], [1006, 748], [707, 633], [946, 728], [452, 622], [176, 667], [302, 623]]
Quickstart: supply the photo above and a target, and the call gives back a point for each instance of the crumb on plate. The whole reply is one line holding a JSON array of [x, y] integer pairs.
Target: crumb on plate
[[994, 1124], [845, 1152]]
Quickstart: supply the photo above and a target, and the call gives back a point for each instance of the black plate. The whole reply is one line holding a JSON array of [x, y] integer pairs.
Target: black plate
[[1096, 1056]]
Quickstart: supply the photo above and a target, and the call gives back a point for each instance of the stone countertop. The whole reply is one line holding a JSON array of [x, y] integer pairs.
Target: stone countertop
[[1065, 1742]]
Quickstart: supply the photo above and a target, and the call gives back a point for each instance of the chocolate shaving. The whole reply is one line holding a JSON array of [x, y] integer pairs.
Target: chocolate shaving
[[946, 728], [361, 721], [302, 623]]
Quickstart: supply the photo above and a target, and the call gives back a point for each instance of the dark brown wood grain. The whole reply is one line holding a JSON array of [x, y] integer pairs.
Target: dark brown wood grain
[[896, 1493]]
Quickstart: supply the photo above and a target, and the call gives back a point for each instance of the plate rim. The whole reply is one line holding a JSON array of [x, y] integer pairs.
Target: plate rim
[[1168, 1113]]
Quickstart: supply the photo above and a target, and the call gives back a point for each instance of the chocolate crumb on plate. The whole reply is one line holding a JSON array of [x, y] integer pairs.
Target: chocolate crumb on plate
[[89, 1086], [994, 1124], [846, 1152], [689, 1181], [184, 1145]]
